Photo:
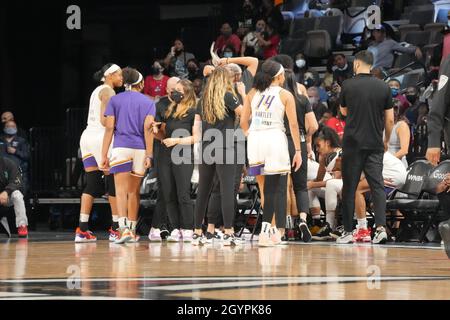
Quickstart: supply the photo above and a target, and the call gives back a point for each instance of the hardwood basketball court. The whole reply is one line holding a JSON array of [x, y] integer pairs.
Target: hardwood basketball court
[[51, 267]]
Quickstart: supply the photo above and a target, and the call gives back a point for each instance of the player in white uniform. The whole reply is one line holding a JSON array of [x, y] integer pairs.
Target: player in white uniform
[[91, 148], [268, 153]]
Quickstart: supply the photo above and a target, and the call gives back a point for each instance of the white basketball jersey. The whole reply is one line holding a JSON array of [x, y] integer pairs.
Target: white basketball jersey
[[95, 106], [268, 110]]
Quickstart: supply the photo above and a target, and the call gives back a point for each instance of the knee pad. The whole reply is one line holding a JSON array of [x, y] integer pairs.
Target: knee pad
[[110, 185], [95, 186]]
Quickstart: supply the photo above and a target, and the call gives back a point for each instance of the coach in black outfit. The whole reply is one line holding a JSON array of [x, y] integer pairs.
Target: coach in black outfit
[[367, 103], [438, 121]]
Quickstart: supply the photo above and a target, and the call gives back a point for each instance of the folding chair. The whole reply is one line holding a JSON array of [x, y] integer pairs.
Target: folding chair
[[249, 201]]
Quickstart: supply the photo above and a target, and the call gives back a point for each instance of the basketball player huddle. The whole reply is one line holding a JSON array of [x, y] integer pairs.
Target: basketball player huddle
[[117, 144]]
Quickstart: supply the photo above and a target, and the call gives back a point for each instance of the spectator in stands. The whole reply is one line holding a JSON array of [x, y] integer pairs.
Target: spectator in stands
[[269, 41], [377, 73], [314, 99], [301, 66], [272, 15], [193, 67], [288, 63], [156, 82], [16, 148], [400, 137], [227, 38], [366, 39], [412, 113], [250, 46], [395, 86], [176, 60], [337, 123], [198, 86], [383, 49], [341, 69], [229, 52], [247, 18], [9, 116], [11, 193]]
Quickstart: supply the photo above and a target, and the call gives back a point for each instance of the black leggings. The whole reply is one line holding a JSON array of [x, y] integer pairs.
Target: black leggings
[[300, 178], [176, 186], [160, 213], [214, 206], [275, 199], [226, 176]]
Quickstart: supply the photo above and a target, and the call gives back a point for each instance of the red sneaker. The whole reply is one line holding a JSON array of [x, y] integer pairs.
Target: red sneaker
[[362, 235], [87, 236], [113, 235], [22, 231]]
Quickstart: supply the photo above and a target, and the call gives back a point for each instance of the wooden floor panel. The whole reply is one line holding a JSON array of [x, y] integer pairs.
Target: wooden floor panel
[[181, 271]]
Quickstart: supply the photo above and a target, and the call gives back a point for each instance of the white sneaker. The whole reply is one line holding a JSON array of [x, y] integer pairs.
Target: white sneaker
[[345, 238], [231, 240], [197, 240], [380, 236], [275, 236], [155, 235], [125, 236], [175, 236], [134, 237], [187, 235], [265, 240], [219, 234]]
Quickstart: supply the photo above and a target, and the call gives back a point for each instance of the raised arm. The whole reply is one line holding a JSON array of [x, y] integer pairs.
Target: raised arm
[[250, 62]]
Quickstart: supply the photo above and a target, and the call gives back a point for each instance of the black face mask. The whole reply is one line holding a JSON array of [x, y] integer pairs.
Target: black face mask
[[192, 70], [177, 97], [156, 71], [411, 98]]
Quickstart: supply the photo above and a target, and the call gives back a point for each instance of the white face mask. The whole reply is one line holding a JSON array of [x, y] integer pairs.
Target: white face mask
[[300, 63], [313, 101]]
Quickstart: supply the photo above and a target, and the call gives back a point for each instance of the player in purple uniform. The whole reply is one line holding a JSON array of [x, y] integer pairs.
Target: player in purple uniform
[[129, 118]]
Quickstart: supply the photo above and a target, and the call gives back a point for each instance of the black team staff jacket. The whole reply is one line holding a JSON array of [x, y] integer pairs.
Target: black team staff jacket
[[10, 176], [439, 117]]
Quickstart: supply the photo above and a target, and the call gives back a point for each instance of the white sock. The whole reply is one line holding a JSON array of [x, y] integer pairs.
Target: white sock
[[265, 228], [122, 222], [115, 218], [289, 222], [304, 216], [331, 219], [84, 217], [362, 223]]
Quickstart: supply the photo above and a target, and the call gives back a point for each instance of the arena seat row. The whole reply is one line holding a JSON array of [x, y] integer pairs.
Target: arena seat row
[[417, 199]]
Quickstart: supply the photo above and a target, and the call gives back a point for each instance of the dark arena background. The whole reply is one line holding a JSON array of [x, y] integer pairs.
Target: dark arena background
[[46, 80]]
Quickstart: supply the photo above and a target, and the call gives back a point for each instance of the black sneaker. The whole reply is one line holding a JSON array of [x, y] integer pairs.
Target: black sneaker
[[197, 240], [230, 240], [164, 233], [323, 234], [444, 230], [336, 234], [210, 238], [305, 234], [380, 236]]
